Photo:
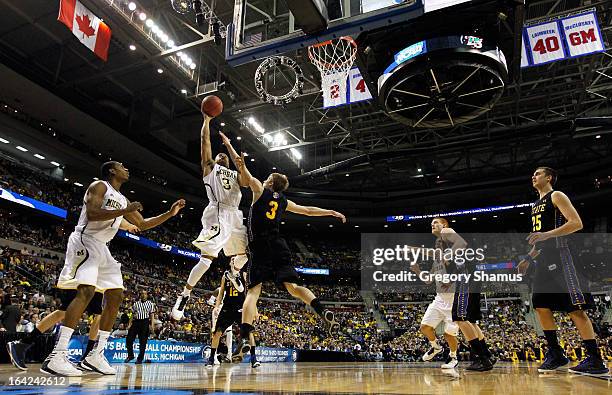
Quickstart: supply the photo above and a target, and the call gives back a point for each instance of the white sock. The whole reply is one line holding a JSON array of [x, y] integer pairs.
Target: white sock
[[198, 271], [102, 340], [64, 337], [434, 343], [453, 354], [186, 292], [229, 342]]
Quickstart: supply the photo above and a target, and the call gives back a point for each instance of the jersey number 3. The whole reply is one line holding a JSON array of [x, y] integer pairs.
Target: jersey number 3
[[273, 207], [226, 183]]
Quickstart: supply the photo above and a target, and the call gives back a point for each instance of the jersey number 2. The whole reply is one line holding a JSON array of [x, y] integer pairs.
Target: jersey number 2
[[273, 207]]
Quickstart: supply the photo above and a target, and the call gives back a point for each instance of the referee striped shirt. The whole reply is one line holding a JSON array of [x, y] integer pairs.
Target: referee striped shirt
[[142, 310]]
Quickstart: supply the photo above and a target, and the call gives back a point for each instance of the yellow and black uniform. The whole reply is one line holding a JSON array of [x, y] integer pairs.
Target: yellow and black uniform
[[270, 255], [557, 285], [67, 295], [231, 312]]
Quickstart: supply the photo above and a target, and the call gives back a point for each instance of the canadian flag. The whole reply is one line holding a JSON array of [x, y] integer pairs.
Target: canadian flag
[[87, 27]]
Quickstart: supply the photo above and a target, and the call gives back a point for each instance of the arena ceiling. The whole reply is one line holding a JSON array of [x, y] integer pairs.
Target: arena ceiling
[[355, 152]]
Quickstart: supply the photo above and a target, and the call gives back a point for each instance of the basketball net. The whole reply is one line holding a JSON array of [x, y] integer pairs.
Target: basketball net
[[334, 59]]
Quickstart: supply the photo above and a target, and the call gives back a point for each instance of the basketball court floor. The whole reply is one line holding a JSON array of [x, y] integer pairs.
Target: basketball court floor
[[307, 378]]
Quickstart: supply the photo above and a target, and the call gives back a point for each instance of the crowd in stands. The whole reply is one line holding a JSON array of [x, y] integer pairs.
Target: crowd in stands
[[27, 276], [35, 184]]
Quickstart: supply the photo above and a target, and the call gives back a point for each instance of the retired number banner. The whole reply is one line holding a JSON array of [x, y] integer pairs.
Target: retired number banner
[[568, 37], [582, 34]]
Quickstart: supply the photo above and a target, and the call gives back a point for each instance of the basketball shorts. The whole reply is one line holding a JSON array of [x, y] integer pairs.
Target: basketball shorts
[[227, 318], [89, 262], [270, 261], [555, 290], [67, 295], [434, 315], [466, 307], [222, 229]]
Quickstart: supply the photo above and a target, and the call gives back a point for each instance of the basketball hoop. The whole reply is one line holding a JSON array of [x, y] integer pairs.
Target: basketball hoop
[[334, 59]]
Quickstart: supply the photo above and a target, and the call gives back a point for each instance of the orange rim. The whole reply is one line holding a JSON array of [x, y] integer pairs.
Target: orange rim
[[326, 65]]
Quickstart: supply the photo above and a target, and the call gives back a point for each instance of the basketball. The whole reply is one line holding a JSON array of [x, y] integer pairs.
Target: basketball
[[212, 106]]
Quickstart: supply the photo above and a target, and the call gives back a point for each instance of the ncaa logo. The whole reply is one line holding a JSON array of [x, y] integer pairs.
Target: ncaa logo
[[275, 195]]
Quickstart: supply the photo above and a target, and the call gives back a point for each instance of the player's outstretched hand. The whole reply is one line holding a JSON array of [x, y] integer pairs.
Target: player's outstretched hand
[[239, 161], [339, 215], [133, 206], [131, 228], [224, 139], [177, 206], [536, 237]]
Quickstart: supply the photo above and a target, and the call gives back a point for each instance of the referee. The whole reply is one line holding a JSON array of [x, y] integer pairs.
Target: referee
[[140, 324]]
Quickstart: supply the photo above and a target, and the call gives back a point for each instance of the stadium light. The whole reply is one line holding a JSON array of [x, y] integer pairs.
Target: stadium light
[[55, 163], [78, 184], [132, 47], [39, 156], [149, 23], [296, 153], [238, 138], [142, 16], [256, 125], [160, 71], [192, 66], [4, 141], [20, 148], [132, 6], [184, 91]]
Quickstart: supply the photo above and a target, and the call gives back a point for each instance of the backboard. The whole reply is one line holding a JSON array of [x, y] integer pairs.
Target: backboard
[[264, 28]]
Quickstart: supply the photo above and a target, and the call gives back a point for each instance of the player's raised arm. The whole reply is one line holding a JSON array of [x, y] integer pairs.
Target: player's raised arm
[[311, 211], [233, 156], [94, 199], [206, 150], [245, 177], [144, 224]]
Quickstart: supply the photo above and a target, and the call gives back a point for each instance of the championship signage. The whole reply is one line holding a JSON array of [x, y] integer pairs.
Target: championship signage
[[163, 351]]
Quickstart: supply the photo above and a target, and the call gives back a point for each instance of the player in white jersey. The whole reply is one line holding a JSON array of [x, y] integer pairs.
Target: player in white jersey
[[90, 266], [222, 226], [440, 310]]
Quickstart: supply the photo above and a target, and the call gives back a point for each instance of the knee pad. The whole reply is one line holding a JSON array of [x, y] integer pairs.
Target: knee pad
[[238, 261], [198, 271]]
